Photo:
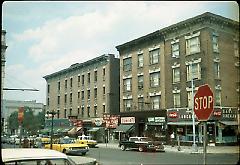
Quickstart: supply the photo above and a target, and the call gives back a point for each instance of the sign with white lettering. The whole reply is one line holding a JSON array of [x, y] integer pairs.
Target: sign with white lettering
[[127, 120]]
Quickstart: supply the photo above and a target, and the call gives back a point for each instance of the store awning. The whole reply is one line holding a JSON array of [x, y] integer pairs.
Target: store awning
[[182, 123], [74, 130], [94, 129], [123, 128], [229, 122]]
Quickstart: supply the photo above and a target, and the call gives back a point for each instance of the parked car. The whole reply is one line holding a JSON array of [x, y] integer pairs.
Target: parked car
[[34, 156], [86, 140], [68, 146], [141, 144]]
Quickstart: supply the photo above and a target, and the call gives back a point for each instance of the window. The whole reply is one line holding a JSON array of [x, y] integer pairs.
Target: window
[[154, 56], [48, 88], [95, 76], [176, 75], [82, 111], [79, 80], [58, 100], [78, 95], [88, 111], [82, 79], [190, 99], [65, 98], [70, 112], [140, 103], [88, 94], [218, 97], [155, 102], [104, 72], [140, 82], [127, 105], [127, 84], [65, 84], [70, 98], [71, 82], [59, 85], [155, 79], [104, 91], [215, 43], [78, 111], [95, 93], [193, 71], [82, 95], [216, 70], [175, 50], [95, 111], [89, 78], [176, 100], [140, 60], [65, 113], [192, 45], [236, 48], [104, 109], [127, 64]]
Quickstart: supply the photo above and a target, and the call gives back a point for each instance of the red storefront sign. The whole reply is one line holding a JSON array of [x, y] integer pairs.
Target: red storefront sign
[[172, 114], [111, 120]]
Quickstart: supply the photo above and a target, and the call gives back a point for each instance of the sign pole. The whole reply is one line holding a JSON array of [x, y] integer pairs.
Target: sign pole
[[205, 143]]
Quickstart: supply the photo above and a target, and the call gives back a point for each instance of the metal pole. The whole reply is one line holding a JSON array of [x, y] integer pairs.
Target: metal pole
[[205, 143], [194, 146], [51, 133]]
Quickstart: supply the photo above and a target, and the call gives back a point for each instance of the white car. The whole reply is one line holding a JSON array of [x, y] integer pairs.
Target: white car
[[34, 156], [40, 156]]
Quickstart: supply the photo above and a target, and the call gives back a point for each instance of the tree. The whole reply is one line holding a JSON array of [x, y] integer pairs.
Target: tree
[[31, 123]]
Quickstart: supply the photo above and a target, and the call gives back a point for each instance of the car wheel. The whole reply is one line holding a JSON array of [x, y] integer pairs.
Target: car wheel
[[84, 153], [140, 148], [64, 151], [123, 148]]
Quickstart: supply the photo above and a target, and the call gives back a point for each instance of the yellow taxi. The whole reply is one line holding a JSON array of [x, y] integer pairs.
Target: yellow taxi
[[68, 146], [86, 140]]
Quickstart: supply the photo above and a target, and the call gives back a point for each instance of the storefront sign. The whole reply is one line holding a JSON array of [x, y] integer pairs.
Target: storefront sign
[[98, 122], [127, 120], [173, 115], [217, 113], [111, 121], [156, 119]]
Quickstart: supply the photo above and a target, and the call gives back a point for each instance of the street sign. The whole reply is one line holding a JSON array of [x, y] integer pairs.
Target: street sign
[[203, 103], [20, 114]]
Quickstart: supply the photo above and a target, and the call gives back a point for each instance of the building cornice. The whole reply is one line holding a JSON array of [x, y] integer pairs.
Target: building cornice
[[203, 18]]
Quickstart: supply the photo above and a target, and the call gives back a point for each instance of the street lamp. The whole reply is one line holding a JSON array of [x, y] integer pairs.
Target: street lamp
[[52, 113], [194, 146]]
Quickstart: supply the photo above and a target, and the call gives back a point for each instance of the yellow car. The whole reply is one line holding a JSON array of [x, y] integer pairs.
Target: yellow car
[[68, 146], [86, 140]]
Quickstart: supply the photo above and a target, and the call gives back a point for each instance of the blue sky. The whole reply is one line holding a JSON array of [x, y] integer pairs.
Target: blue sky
[[44, 37]]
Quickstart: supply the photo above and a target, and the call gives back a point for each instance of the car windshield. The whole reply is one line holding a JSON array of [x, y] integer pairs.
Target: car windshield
[[66, 141]]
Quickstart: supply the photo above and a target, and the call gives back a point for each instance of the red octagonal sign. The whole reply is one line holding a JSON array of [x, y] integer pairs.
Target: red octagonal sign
[[203, 103]]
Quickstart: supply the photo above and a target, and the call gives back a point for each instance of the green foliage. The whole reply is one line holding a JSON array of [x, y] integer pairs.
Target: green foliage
[[31, 123]]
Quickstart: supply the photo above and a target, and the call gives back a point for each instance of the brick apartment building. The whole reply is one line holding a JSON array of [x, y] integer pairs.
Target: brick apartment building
[[156, 73], [85, 91]]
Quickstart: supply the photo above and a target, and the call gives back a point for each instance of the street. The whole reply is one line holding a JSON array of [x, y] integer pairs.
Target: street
[[109, 156]]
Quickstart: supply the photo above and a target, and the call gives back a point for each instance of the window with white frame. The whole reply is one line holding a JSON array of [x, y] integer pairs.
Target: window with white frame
[[192, 45], [127, 105], [155, 79], [140, 82], [190, 99], [217, 97], [155, 100], [215, 43], [154, 56], [193, 71], [140, 60], [95, 111], [176, 100], [175, 49], [176, 75], [127, 64], [127, 84], [216, 70]]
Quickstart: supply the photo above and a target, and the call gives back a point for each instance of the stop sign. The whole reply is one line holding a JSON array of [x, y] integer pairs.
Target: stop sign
[[203, 103]]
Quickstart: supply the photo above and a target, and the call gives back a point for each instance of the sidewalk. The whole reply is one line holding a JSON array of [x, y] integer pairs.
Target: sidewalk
[[185, 149]]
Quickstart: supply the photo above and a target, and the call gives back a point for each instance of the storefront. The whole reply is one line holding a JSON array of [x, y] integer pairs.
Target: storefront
[[222, 127]]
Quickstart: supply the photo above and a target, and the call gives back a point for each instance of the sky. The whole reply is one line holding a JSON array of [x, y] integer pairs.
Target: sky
[[44, 37]]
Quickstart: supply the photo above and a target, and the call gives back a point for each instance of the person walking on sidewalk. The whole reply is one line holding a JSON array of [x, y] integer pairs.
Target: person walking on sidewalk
[[172, 136]]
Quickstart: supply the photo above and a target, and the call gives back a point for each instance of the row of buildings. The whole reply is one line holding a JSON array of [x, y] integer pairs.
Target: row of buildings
[[148, 90]]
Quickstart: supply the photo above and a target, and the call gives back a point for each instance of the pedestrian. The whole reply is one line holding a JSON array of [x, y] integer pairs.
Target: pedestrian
[[172, 136], [25, 142]]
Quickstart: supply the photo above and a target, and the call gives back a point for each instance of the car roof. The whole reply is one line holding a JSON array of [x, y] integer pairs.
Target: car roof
[[13, 154]]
